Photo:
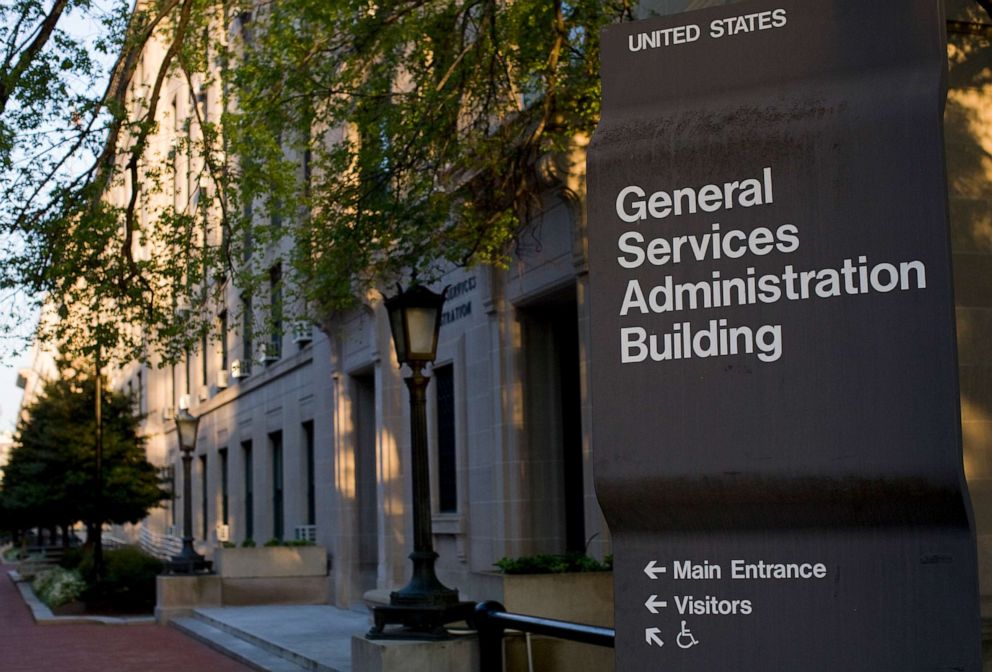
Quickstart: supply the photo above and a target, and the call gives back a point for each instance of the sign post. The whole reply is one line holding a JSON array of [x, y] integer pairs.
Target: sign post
[[773, 359]]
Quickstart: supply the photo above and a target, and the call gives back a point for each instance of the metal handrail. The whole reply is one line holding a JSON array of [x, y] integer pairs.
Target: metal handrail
[[492, 620]]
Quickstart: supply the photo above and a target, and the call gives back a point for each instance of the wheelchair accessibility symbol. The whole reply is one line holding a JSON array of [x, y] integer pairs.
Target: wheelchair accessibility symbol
[[685, 640]]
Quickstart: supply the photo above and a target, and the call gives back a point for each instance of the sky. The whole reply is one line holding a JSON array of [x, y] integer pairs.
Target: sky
[[86, 27]]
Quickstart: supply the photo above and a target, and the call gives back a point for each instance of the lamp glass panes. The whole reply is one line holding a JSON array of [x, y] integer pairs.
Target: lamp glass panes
[[186, 425], [415, 318]]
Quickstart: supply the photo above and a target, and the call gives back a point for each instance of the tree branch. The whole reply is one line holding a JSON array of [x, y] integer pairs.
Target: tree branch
[[138, 149], [8, 81], [212, 168], [121, 74]]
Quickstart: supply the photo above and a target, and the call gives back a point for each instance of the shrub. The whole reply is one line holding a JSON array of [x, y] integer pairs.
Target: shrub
[[273, 542], [248, 543], [41, 581], [72, 558], [128, 580], [553, 564], [58, 586], [13, 554]]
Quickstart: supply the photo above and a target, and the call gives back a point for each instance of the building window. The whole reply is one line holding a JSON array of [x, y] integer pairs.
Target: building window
[[223, 339], [308, 449], [204, 245], [203, 496], [224, 487], [249, 490], [247, 327], [244, 24], [447, 475], [275, 311], [276, 219], [189, 374], [249, 237], [307, 171], [275, 441], [204, 343], [174, 163], [203, 98]]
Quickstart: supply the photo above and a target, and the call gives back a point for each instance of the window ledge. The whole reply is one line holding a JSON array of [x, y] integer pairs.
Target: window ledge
[[448, 523]]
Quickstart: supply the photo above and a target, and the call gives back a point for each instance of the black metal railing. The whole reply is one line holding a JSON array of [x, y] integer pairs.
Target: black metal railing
[[492, 621]]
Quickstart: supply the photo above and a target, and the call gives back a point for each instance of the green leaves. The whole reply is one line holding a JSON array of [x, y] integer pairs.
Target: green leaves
[[553, 564], [356, 142], [424, 121]]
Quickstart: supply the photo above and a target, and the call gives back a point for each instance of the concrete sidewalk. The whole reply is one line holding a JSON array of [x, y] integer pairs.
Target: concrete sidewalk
[[274, 638], [28, 647], [280, 638]]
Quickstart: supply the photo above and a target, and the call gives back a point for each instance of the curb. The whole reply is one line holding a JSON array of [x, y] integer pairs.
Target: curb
[[42, 615]]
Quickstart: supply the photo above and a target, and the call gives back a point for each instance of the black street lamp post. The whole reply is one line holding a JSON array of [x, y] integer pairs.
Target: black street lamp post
[[188, 561], [424, 605]]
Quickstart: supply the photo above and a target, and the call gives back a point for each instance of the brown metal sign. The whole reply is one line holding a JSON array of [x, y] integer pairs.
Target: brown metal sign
[[773, 359]]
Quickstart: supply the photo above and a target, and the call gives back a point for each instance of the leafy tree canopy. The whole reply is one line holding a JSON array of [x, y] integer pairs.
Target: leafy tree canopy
[[371, 140], [422, 124], [380, 139]]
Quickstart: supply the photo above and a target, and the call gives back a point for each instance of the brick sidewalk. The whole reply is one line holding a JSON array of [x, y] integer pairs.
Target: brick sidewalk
[[26, 647]]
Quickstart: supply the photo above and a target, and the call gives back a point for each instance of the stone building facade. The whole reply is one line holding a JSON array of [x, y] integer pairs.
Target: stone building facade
[[314, 441]]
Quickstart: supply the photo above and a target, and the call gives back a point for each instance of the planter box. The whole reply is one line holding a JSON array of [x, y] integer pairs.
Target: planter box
[[270, 562], [177, 595], [582, 597], [247, 576]]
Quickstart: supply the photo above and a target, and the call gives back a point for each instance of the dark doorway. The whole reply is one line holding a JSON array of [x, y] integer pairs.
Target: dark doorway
[[278, 500], [366, 500], [246, 457], [553, 421]]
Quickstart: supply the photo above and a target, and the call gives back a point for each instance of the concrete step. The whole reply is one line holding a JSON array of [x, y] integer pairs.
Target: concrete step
[[265, 636], [232, 645]]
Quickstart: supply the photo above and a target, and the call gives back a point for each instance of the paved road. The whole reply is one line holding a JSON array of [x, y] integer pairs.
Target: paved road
[[26, 647]]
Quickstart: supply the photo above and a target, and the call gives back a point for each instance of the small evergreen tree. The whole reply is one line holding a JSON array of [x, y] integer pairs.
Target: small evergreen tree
[[51, 478]]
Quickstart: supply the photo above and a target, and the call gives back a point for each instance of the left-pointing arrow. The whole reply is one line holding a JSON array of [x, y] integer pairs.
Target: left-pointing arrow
[[653, 603], [652, 569], [652, 638]]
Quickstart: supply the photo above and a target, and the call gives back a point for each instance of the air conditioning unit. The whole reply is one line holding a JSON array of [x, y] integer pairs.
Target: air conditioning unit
[[302, 332], [221, 379], [204, 393], [268, 355], [168, 413], [240, 369], [306, 533], [182, 307], [223, 533], [184, 402]]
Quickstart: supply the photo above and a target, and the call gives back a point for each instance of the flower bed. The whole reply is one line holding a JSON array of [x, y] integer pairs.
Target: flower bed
[[57, 586]]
